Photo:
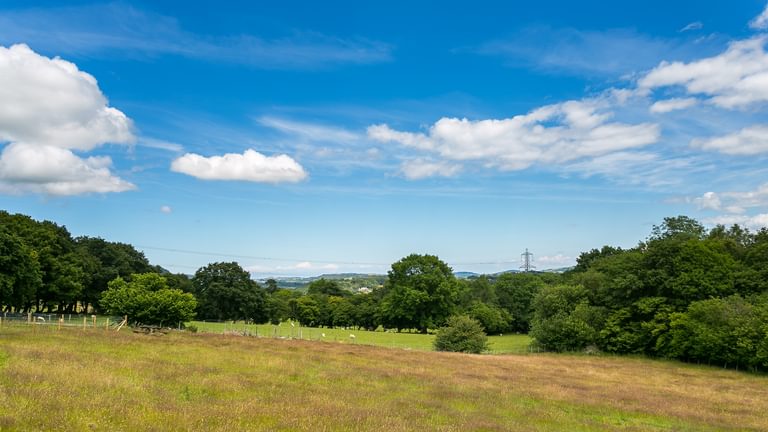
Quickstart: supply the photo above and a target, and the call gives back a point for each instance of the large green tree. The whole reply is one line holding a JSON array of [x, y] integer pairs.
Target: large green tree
[[104, 261], [226, 292], [20, 275], [515, 292], [420, 293], [61, 267]]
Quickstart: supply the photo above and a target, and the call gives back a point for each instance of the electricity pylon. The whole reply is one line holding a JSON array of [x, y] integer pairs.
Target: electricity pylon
[[527, 259]]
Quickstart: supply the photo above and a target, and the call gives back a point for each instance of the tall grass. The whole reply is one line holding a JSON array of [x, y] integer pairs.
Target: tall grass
[[84, 380]]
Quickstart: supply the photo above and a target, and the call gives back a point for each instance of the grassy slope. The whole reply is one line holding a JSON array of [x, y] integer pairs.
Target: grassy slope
[[90, 380]]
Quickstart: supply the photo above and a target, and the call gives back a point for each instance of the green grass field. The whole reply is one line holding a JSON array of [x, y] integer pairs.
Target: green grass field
[[507, 344], [94, 380]]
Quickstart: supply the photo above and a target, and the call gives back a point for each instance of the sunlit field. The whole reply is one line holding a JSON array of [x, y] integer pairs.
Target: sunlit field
[[511, 343], [74, 379]]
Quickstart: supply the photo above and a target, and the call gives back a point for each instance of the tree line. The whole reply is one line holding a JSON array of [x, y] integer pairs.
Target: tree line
[[685, 292], [43, 268]]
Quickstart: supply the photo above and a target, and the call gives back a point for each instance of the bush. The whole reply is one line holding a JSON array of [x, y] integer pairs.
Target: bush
[[461, 334], [493, 319], [729, 331], [191, 328], [146, 299], [563, 319]]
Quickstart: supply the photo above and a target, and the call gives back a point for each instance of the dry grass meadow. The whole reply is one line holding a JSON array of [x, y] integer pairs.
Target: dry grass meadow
[[93, 380]]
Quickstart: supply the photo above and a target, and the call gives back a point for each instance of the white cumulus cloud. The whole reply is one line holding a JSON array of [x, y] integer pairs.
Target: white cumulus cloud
[[550, 135], [751, 140], [710, 200], [755, 222], [735, 207], [736, 78], [734, 202], [50, 108], [249, 166], [51, 102], [50, 170]]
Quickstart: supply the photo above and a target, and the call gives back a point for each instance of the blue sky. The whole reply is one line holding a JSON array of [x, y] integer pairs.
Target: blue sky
[[317, 137]]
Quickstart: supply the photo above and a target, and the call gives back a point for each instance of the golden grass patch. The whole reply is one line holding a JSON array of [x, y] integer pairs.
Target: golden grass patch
[[93, 380]]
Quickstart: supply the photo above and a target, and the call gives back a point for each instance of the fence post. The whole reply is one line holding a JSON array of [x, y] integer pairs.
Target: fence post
[[106, 326], [85, 322], [61, 320], [125, 321]]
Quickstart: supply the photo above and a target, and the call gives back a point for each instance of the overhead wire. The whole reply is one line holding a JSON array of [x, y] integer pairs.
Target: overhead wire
[[266, 258]]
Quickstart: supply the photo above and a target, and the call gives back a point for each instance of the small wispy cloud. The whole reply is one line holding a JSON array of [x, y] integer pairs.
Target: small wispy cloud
[[752, 140], [696, 25], [160, 144], [588, 52], [116, 27], [639, 168], [309, 131], [548, 261], [422, 168], [760, 22], [669, 105]]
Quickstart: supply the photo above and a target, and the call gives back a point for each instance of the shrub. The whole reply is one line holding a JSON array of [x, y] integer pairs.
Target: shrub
[[146, 299], [461, 334], [493, 319], [564, 320]]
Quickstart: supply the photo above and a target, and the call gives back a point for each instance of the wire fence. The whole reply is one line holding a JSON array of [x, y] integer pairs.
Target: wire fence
[[51, 320], [506, 344]]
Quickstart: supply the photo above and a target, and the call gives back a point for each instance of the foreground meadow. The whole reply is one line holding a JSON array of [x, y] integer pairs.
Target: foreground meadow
[[75, 379]]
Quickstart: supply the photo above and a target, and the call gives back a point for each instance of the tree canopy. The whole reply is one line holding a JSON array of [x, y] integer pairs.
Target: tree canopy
[[684, 293], [421, 292], [226, 292]]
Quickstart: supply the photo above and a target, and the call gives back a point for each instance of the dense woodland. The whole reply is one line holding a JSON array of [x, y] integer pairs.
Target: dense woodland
[[685, 292]]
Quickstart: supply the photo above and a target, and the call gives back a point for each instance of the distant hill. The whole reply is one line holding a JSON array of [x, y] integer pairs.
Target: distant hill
[[348, 281], [355, 281]]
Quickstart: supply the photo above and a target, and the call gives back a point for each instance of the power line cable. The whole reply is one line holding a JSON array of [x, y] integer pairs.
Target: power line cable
[[263, 258]]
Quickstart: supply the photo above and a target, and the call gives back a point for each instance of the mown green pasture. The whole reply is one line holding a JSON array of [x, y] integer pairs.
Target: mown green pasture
[[93, 380], [512, 343]]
